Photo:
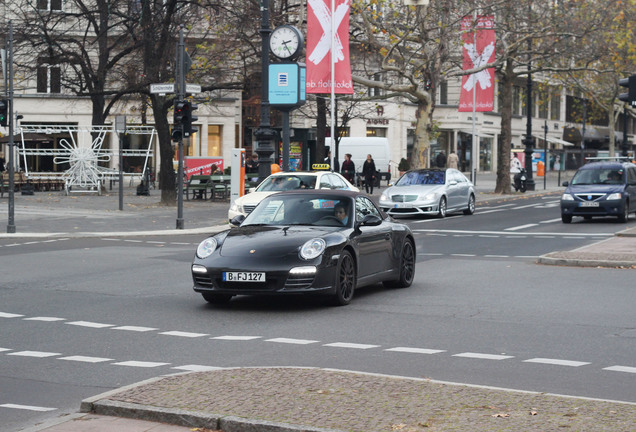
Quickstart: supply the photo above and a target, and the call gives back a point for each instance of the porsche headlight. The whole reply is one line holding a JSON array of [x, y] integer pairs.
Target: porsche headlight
[[206, 248], [312, 248], [614, 196], [567, 197]]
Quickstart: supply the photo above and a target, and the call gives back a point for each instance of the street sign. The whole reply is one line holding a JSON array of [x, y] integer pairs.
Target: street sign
[[193, 88], [169, 88], [161, 88]]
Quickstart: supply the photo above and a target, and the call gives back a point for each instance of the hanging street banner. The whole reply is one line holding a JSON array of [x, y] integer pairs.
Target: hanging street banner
[[320, 53], [478, 50]]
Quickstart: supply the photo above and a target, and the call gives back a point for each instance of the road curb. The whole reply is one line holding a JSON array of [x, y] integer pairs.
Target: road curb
[[578, 262]]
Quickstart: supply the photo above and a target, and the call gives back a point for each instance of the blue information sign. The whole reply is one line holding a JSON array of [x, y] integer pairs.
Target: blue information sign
[[287, 84]]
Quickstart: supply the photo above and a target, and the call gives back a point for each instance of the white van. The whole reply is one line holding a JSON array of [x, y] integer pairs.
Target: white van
[[359, 148]]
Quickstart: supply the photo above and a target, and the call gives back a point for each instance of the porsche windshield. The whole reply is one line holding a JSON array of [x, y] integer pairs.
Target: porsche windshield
[[287, 182], [421, 178], [301, 210]]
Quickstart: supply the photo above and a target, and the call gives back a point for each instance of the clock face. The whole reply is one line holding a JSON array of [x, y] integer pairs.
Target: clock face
[[286, 42]]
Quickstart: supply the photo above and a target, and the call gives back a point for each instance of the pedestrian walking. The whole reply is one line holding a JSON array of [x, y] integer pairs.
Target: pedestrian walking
[[369, 173], [348, 169], [453, 160], [440, 160]]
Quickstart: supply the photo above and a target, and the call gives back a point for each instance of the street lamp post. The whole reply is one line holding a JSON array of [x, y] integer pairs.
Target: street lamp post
[[264, 134], [528, 141]]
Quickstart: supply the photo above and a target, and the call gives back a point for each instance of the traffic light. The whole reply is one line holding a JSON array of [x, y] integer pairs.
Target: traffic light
[[630, 96], [179, 114], [4, 112], [188, 118]]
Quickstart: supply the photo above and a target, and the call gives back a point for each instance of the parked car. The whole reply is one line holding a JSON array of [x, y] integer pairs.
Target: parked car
[[327, 242], [429, 192], [284, 181], [606, 188]]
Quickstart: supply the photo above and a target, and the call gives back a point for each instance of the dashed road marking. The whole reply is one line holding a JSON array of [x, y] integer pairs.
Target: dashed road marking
[[9, 315], [45, 319], [292, 341], [89, 324], [184, 334], [415, 350], [86, 359], [236, 338], [27, 407], [141, 364], [556, 362], [621, 369], [483, 356], [350, 345], [135, 328], [37, 354], [520, 227], [196, 368]]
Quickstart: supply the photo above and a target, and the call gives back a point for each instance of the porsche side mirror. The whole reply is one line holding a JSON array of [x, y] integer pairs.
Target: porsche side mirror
[[369, 220], [237, 220]]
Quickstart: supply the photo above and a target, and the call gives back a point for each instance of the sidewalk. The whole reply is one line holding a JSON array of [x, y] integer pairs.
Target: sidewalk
[[304, 399]]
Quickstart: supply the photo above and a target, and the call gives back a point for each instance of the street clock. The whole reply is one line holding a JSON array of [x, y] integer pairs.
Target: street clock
[[286, 42]]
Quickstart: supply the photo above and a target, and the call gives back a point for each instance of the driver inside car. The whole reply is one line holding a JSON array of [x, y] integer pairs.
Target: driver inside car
[[340, 212]]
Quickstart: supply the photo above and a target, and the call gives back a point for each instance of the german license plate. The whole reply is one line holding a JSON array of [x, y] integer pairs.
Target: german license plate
[[588, 204], [402, 205], [243, 276]]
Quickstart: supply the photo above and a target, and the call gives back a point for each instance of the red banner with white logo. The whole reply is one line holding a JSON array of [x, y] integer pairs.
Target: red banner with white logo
[[319, 50], [478, 41]]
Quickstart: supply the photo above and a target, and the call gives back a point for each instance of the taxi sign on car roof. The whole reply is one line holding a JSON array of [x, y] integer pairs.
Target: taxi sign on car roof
[[318, 167]]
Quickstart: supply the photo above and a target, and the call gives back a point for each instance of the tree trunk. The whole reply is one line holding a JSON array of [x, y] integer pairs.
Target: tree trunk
[[422, 144], [167, 177], [502, 185]]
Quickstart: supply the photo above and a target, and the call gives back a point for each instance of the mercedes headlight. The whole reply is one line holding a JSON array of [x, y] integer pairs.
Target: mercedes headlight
[[236, 208], [312, 248], [429, 197], [206, 248]]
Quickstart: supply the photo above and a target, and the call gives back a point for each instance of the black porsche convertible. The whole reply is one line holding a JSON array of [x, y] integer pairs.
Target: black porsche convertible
[[306, 241]]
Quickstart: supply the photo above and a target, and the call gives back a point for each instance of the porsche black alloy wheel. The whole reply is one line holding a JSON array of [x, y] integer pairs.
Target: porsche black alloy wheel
[[407, 267], [345, 279]]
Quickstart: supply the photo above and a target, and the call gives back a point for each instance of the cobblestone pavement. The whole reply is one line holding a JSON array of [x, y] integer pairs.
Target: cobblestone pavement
[[296, 399]]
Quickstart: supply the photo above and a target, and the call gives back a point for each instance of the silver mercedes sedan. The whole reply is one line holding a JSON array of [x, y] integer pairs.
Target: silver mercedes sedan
[[435, 192]]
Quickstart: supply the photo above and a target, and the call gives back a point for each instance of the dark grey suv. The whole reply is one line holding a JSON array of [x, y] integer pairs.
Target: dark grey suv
[[605, 188]]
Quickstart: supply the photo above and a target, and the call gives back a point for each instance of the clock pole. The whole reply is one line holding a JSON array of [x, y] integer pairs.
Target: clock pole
[[264, 134]]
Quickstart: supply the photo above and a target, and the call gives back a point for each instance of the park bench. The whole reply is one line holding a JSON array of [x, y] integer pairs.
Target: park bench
[[199, 186], [221, 186], [19, 180]]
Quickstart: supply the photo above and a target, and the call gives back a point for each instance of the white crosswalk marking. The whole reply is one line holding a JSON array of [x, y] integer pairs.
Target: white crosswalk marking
[[44, 318]]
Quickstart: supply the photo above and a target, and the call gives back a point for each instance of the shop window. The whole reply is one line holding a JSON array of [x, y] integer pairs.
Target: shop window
[[215, 140], [376, 132]]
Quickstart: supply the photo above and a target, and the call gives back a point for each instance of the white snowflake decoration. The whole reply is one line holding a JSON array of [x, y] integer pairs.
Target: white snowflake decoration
[[84, 170]]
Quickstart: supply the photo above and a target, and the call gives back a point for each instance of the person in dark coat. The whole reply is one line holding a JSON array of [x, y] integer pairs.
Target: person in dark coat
[[348, 169], [369, 173], [440, 160]]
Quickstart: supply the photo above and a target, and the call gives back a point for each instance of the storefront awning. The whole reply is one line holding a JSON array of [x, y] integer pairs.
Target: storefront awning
[[559, 141]]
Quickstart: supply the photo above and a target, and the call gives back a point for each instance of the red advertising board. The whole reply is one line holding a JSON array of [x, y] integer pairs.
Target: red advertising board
[[478, 49], [201, 165], [319, 50]]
